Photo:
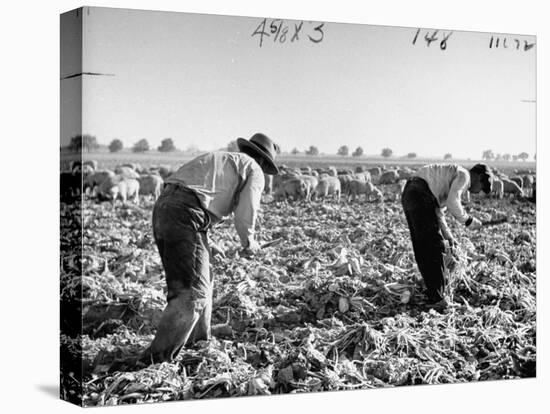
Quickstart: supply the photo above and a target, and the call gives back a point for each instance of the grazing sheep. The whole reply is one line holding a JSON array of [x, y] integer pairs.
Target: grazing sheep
[[343, 171], [405, 173], [311, 184], [126, 172], [358, 187], [528, 183], [345, 179], [150, 185], [166, 171], [91, 163], [511, 187], [279, 179], [92, 181], [375, 171], [75, 166], [328, 186], [396, 189], [364, 176], [518, 180], [70, 184], [294, 188], [389, 177], [119, 187], [87, 170], [133, 165]]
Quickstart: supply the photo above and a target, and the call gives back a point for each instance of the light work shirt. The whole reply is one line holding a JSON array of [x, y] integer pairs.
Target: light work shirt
[[447, 182], [225, 183]]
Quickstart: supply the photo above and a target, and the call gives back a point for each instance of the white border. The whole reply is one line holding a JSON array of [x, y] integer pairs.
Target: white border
[[30, 129]]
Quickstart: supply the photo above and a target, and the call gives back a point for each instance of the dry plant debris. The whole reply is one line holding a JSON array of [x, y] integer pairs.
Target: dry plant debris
[[337, 305]]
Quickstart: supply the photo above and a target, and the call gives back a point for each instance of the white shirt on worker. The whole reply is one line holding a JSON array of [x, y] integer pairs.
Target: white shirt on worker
[[447, 182], [225, 183]]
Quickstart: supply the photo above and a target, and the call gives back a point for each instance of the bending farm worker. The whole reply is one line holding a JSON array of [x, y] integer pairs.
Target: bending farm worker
[[195, 197], [433, 189]]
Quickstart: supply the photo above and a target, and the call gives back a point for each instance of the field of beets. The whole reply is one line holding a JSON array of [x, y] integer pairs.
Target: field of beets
[[337, 304]]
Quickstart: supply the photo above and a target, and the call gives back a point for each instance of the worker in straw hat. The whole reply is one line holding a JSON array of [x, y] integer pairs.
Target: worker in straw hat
[[199, 194], [433, 189]]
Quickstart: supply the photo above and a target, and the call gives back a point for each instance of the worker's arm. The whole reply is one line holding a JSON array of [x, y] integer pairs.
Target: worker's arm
[[248, 206], [444, 226], [458, 186]]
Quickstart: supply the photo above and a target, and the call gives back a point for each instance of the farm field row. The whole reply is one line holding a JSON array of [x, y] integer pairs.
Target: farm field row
[[337, 305]]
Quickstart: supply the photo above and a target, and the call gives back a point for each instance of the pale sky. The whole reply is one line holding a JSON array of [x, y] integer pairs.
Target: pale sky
[[203, 80]]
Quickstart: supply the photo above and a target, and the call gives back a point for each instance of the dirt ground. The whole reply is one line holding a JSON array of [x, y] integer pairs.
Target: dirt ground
[[338, 304]]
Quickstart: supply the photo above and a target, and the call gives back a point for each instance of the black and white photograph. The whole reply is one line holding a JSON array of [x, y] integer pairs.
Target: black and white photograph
[[254, 206]]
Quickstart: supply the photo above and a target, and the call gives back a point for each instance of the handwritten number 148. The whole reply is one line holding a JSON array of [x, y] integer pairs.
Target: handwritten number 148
[[429, 38]]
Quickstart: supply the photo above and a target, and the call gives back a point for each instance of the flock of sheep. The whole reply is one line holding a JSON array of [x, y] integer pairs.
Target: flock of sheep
[[310, 184], [129, 181], [523, 184], [125, 182], [375, 183]]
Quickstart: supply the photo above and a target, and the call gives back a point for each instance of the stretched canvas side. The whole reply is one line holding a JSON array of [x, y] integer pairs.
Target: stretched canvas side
[[70, 206]]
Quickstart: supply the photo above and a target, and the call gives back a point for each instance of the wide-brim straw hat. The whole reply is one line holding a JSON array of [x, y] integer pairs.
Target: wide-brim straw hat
[[260, 145]]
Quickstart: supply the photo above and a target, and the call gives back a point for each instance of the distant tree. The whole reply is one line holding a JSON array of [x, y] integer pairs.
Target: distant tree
[[358, 152], [411, 155], [343, 150], [506, 157], [523, 156], [498, 157], [448, 156], [75, 144], [115, 145], [488, 155], [84, 142], [312, 150], [514, 157], [232, 146], [295, 151], [166, 145], [141, 146], [387, 152], [89, 143]]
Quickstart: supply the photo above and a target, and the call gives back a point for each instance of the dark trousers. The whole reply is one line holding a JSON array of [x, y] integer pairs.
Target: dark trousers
[[180, 228], [420, 206]]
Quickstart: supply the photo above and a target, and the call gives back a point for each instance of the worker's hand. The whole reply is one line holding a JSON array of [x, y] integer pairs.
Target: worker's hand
[[215, 249], [475, 224], [252, 248]]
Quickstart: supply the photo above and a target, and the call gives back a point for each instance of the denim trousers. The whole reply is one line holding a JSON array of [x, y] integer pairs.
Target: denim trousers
[[180, 227], [419, 205]]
